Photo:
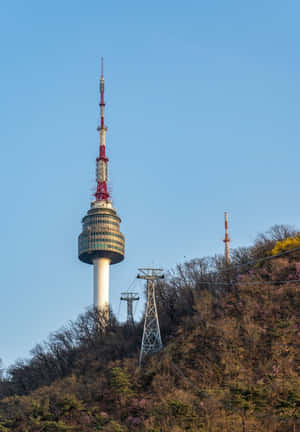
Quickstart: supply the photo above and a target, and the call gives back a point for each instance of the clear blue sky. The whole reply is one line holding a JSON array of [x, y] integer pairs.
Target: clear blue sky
[[203, 116]]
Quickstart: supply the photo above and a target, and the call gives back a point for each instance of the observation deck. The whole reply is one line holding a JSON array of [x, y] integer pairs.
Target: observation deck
[[101, 236]]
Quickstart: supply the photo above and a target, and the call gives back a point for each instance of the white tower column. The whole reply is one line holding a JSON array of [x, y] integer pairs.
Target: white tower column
[[101, 283]]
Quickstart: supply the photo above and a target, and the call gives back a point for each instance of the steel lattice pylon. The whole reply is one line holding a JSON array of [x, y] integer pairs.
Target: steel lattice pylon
[[151, 342], [129, 297]]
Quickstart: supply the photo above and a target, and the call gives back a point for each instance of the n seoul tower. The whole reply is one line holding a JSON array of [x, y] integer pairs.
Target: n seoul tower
[[101, 243]]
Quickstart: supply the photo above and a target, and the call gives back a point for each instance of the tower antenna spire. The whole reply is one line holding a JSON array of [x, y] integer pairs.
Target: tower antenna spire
[[102, 67], [102, 193], [226, 240]]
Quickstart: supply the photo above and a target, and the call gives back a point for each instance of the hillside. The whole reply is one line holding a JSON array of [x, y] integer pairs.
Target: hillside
[[230, 362]]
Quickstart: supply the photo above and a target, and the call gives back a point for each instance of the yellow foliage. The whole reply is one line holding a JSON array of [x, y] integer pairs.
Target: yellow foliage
[[287, 244]]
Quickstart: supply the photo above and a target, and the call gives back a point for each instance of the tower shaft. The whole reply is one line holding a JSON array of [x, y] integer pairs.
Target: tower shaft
[[101, 283], [151, 342]]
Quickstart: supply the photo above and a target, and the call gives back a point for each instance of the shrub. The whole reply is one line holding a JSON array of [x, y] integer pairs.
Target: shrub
[[120, 383], [286, 244]]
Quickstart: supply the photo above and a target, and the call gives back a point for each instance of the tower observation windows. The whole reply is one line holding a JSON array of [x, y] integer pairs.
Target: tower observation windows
[[101, 236]]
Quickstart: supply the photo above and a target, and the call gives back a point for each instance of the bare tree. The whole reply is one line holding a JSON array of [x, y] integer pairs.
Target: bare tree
[[1, 370]]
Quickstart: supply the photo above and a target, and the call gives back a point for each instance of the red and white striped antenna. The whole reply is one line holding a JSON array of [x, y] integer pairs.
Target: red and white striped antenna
[[226, 240], [102, 193]]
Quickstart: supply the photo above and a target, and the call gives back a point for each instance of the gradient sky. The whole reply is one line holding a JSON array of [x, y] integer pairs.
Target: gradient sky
[[202, 114]]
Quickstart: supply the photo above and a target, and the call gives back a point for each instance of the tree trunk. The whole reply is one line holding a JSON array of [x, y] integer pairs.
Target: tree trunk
[[244, 423]]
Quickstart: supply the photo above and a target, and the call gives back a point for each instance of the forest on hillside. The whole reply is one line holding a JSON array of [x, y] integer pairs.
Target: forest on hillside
[[230, 360]]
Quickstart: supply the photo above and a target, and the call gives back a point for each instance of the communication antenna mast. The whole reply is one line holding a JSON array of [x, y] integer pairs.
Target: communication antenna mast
[[151, 342], [226, 241], [130, 297]]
